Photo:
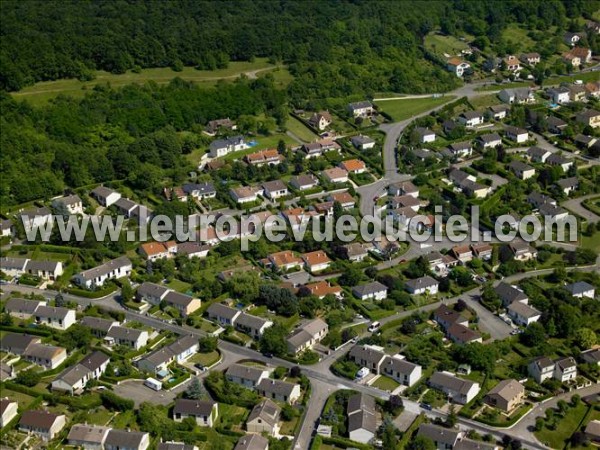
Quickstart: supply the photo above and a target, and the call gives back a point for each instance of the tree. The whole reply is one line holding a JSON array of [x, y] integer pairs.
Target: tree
[[563, 406], [287, 412], [28, 378], [585, 338], [6, 319], [533, 335], [126, 291], [421, 443], [59, 300], [207, 344], [273, 340], [195, 390]]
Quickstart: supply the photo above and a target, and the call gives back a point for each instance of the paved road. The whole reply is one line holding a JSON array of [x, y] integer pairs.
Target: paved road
[[574, 205]]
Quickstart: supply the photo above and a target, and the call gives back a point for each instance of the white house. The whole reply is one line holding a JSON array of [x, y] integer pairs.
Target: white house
[[72, 204], [275, 189], [541, 369], [362, 421], [457, 66], [55, 317], [246, 376], [404, 372], [44, 424], [306, 336], [523, 314], [518, 135], [422, 285], [565, 369], [361, 109], [471, 119], [74, 378], [105, 196], [559, 95], [8, 411], [581, 289], [204, 412], [116, 268], [35, 217], [278, 390], [126, 440], [129, 337], [458, 390], [374, 290], [222, 147], [517, 96]]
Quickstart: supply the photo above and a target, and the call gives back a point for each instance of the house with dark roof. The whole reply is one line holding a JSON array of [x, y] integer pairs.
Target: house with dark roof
[[461, 334], [98, 326], [178, 351], [222, 314], [264, 418], [253, 326], [425, 135], [43, 424], [591, 356], [74, 378], [246, 376], [362, 142], [175, 446], [422, 285], [222, 147], [55, 317], [443, 438], [458, 390], [126, 440], [370, 291], [568, 185], [8, 411], [401, 370], [521, 170], [581, 289], [307, 335], [490, 140], [22, 308], [506, 395], [116, 268], [516, 134], [361, 109], [537, 154], [252, 442], [278, 390], [205, 413], [129, 337], [509, 294], [105, 196], [89, 437], [471, 119], [368, 356], [362, 421]]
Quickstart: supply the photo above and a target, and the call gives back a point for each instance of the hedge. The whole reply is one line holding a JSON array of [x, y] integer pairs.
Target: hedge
[[407, 436], [91, 294], [510, 422], [33, 330], [345, 443]]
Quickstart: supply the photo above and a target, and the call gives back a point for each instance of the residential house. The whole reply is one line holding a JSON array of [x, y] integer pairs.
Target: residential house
[[522, 251], [13, 267], [48, 356], [8, 411], [222, 147], [362, 142], [96, 277], [404, 201], [129, 337], [35, 217], [537, 199], [591, 356], [316, 261], [517, 96], [250, 442], [593, 89], [204, 412], [361, 109], [245, 194], [320, 120], [401, 370], [423, 285], [105, 196], [71, 204], [523, 314], [512, 63], [370, 291], [371, 357], [521, 170], [551, 212], [568, 185], [578, 56], [491, 64], [319, 148], [200, 191], [556, 125], [323, 288], [126, 440], [193, 250], [304, 182], [270, 157], [458, 390], [158, 250], [17, 343], [355, 166], [559, 160], [510, 294], [577, 93], [537, 154], [482, 251], [343, 198], [159, 360], [89, 437], [264, 418], [362, 421], [126, 207], [74, 378], [246, 376], [471, 119], [151, 292], [275, 189], [403, 188], [457, 66], [43, 424], [223, 314], [306, 336], [442, 437], [335, 175], [461, 334], [6, 228], [214, 126], [498, 112], [460, 149], [530, 59], [516, 134], [98, 326], [584, 141], [175, 193], [356, 251], [590, 118], [254, 326], [565, 369], [462, 253], [581, 289], [447, 317], [592, 431], [425, 135], [559, 95], [490, 140], [278, 390], [185, 304], [572, 38], [284, 261], [55, 317], [541, 369], [506, 395], [46, 270], [22, 308], [593, 26], [449, 126]]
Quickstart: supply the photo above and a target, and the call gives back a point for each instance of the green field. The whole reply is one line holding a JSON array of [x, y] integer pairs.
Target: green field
[[385, 383], [41, 92], [300, 130], [407, 108], [441, 44], [206, 359], [518, 36], [565, 427]]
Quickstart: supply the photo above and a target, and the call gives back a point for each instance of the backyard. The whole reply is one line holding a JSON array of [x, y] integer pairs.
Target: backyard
[[402, 109], [558, 428]]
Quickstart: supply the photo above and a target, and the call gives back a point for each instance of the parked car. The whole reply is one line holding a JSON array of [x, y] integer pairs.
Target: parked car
[[426, 406]]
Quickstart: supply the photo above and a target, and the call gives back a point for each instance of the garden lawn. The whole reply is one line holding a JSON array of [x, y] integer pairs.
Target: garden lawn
[[385, 383], [206, 359], [592, 242], [564, 428], [441, 44], [519, 37], [179, 286], [403, 109], [300, 130]]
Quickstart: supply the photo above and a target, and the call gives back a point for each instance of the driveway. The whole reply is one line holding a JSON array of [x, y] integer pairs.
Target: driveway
[[574, 205], [136, 391]]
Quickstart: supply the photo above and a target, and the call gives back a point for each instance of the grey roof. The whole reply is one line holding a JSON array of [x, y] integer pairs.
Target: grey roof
[[97, 323], [361, 139], [399, 365], [438, 434], [52, 312], [151, 290], [252, 442], [102, 191], [536, 152], [175, 446], [304, 180], [554, 121], [468, 444], [92, 434], [267, 411], [17, 343], [245, 372], [46, 266], [22, 305], [6, 224], [165, 354], [124, 439], [542, 362], [275, 185], [422, 131], [363, 352], [509, 129], [38, 419], [550, 210], [579, 287], [106, 268], [507, 389], [42, 351], [126, 204], [73, 374], [204, 188], [557, 159], [123, 333], [183, 343], [250, 321], [423, 282], [68, 200], [519, 166], [509, 294], [13, 263], [570, 182], [491, 137], [471, 114], [188, 248], [459, 146], [539, 198], [193, 407], [523, 310], [451, 382], [499, 108], [361, 413], [222, 143], [221, 310], [35, 212], [177, 298], [94, 360], [566, 363], [592, 354], [458, 176], [369, 288], [277, 387]]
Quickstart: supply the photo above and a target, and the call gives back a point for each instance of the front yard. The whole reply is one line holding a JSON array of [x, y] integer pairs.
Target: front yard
[[385, 383]]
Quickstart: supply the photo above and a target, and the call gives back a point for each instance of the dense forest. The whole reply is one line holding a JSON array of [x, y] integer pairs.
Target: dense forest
[[334, 48], [130, 134]]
